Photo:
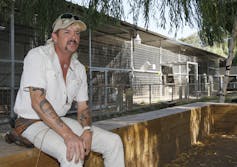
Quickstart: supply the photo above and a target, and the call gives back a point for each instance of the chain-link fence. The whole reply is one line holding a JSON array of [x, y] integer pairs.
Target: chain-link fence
[[123, 98]]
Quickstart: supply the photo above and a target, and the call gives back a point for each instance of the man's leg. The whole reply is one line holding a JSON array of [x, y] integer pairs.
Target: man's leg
[[109, 145], [50, 142]]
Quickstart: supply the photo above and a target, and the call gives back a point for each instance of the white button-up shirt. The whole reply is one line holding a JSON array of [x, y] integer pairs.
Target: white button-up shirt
[[42, 70]]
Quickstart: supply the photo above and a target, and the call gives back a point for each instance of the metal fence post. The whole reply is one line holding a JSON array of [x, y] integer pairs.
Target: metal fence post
[[12, 46], [172, 93], [90, 72], [150, 94], [180, 92]]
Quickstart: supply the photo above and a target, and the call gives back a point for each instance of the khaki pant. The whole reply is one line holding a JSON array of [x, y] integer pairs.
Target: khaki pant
[[104, 142]]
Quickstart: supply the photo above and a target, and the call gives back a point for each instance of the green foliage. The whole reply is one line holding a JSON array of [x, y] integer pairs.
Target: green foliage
[[218, 48], [40, 14], [98, 12], [234, 62], [213, 17], [5, 9]]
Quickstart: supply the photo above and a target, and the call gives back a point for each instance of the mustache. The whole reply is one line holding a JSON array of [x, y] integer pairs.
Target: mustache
[[72, 41]]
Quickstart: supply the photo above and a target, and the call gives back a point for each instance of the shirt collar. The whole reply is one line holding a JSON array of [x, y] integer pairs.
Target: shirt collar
[[54, 57]]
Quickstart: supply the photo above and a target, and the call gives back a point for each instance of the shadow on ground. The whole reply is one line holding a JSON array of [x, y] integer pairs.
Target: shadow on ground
[[217, 150]]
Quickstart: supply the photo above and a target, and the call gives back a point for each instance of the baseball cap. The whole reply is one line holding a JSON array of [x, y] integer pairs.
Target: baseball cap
[[65, 20]]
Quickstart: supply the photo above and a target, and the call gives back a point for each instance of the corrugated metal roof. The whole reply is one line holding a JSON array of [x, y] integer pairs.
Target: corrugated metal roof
[[126, 31]]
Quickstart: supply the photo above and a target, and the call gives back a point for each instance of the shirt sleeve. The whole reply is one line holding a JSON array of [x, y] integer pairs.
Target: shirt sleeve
[[34, 70], [83, 88]]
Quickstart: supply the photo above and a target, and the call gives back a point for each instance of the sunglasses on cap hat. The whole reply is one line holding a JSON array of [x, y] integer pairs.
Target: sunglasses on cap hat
[[69, 16], [67, 19]]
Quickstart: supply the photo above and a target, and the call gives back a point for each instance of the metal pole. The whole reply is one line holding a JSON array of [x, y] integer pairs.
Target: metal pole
[[106, 89], [90, 72], [172, 95], [12, 48], [132, 63], [149, 94], [160, 69]]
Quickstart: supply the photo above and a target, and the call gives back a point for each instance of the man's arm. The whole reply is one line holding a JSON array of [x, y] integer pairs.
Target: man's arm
[[84, 118], [83, 114], [47, 113]]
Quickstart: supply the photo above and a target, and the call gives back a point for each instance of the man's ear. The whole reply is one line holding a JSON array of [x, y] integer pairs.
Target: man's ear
[[54, 37]]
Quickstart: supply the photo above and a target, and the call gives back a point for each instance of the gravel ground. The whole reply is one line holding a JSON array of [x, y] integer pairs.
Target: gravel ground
[[217, 150]]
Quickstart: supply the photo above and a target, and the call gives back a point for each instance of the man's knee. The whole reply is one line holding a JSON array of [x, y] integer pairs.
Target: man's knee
[[116, 142], [65, 163]]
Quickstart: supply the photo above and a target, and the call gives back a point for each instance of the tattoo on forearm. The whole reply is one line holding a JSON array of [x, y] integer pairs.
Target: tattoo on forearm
[[84, 117], [46, 107], [59, 121], [40, 89]]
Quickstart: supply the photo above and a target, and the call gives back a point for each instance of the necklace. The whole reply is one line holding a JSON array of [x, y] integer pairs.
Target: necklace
[[65, 66]]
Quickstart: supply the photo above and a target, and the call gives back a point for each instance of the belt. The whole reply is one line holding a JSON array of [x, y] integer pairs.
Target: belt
[[14, 135]]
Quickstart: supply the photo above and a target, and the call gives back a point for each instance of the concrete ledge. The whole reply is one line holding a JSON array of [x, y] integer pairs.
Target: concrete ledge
[[12, 155], [157, 137], [150, 139]]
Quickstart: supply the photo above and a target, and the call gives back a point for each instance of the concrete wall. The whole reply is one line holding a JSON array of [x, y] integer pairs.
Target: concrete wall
[[225, 118], [152, 138], [157, 137]]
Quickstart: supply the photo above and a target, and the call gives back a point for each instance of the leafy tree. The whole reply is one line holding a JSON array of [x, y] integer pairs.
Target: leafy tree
[[235, 60], [40, 14], [217, 22], [218, 48], [216, 19]]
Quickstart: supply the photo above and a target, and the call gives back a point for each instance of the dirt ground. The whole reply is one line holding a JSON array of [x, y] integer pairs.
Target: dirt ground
[[217, 150]]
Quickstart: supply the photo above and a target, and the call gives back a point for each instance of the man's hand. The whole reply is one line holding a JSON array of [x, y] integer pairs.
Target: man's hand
[[87, 139], [75, 147]]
